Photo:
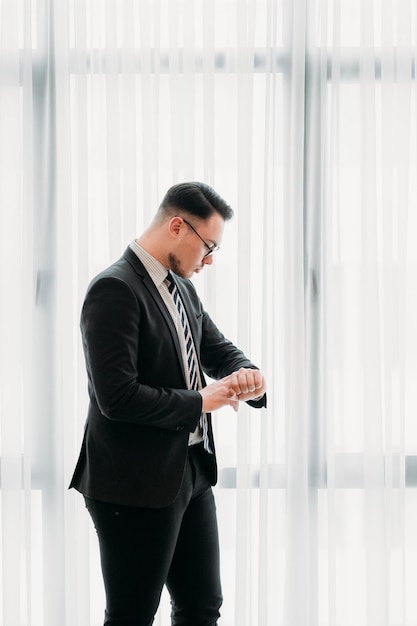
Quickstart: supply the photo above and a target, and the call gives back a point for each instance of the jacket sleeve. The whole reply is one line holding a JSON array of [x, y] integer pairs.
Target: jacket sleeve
[[110, 322], [220, 357]]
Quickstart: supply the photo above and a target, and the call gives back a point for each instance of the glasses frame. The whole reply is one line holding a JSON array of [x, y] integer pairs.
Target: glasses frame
[[213, 248]]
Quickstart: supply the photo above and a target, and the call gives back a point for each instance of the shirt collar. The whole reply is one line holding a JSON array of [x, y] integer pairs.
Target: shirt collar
[[155, 269]]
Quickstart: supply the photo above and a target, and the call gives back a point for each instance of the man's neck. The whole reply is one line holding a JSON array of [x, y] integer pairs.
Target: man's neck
[[150, 245]]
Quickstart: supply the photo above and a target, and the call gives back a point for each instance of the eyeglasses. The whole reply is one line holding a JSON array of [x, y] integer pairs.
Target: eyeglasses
[[213, 248]]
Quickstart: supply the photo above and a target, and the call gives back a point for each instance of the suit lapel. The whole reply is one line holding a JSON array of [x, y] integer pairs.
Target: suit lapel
[[148, 283]]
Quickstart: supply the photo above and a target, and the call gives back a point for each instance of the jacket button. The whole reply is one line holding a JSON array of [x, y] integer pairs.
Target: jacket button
[[180, 427]]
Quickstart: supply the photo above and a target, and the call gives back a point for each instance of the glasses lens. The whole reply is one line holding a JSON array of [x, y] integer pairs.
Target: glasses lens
[[213, 249]]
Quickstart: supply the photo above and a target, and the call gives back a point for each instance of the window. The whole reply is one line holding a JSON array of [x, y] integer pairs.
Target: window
[[302, 115]]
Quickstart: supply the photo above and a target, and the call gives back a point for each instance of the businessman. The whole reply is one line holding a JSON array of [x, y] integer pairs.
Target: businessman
[[147, 462]]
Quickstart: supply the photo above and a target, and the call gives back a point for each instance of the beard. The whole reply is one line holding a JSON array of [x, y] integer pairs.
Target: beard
[[174, 265]]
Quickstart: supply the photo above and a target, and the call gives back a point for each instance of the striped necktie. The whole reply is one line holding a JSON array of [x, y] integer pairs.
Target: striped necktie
[[190, 349]]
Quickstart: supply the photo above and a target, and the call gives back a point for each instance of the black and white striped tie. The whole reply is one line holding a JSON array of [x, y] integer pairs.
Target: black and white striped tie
[[189, 345]]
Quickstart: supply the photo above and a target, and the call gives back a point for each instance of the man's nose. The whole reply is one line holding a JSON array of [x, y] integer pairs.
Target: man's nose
[[208, 260]]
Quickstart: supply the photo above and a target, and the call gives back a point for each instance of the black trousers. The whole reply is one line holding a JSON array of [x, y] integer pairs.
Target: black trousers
[[144, 549]]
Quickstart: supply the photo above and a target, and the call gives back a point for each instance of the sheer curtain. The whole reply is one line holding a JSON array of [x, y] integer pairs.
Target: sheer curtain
[[360, 207], [302, 114]]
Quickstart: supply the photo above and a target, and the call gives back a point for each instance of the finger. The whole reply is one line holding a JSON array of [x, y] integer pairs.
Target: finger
[[257, 392], [233, 383], [251, 380], [255, 380], [246, 379], [259, 379], [242, 381], [244, 397]]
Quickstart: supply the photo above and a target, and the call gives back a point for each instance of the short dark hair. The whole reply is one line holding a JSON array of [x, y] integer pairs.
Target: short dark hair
[[197, 199]]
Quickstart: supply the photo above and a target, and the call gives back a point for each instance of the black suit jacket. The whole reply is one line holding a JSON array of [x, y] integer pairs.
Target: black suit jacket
[[140, 415]]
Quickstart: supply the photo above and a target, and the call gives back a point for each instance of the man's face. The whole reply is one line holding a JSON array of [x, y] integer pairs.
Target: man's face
[[190, 254]]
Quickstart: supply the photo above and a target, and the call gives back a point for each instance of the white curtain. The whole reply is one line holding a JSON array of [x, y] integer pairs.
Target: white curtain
[[302, 114]]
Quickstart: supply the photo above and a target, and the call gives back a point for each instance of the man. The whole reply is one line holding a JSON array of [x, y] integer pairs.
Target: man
[[147, 461]]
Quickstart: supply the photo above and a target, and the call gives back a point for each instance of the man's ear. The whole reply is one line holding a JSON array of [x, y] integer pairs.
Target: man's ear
[[175, 225]]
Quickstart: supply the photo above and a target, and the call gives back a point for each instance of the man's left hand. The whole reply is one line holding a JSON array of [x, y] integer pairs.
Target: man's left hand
[[247, 384]]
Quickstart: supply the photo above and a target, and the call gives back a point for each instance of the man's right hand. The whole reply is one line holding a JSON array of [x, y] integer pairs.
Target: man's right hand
[[217, 395]]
